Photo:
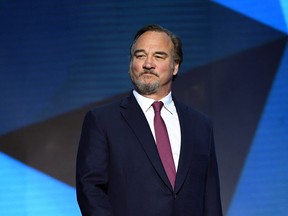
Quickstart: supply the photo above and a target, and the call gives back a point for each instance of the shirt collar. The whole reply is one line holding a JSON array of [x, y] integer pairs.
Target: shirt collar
[[145, 103]]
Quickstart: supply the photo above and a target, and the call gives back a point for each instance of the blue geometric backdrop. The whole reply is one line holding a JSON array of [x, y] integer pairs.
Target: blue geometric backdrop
[[59, 59], [263, 185]]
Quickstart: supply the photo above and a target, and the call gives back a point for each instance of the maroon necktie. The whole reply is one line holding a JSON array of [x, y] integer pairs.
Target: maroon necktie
[[163, 143]]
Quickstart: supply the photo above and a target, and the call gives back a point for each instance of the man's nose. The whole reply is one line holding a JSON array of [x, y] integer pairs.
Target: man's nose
[[148, 63]]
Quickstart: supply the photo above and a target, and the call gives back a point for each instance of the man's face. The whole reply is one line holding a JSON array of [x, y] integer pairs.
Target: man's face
[[152, 65]]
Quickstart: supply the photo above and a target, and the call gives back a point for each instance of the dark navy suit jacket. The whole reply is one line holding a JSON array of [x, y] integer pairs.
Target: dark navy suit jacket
[[119, 172]]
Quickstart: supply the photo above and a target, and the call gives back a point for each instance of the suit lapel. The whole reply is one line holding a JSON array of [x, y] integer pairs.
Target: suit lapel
[[136, 119], [186, 145]]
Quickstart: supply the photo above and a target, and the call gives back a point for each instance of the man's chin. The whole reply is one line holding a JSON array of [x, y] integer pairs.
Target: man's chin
[[147, 88]]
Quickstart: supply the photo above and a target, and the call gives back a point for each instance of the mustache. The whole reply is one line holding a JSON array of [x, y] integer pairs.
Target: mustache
[[146, 71]]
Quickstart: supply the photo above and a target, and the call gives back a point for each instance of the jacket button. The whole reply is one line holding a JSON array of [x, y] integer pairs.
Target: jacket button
[[174, 196]]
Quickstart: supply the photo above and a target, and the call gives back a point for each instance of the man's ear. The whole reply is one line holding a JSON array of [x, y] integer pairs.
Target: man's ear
[[176, 68]]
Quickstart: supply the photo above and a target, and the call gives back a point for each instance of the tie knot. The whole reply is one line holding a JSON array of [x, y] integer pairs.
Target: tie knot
[[157, 106]]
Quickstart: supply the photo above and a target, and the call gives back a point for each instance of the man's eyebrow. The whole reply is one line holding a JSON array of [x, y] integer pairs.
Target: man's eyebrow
[[162, 53], [138, 51]]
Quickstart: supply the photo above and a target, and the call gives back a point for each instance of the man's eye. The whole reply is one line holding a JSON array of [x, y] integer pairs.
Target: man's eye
[[139, 56], [159, 57]]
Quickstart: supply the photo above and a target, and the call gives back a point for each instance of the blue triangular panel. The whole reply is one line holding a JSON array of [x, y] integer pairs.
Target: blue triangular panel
[[284, 6], [262, 189], [268, 12], [25, 191]]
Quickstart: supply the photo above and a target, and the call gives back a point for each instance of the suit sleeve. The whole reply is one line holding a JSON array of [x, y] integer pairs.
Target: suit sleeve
[[92, 169], [213, 205]]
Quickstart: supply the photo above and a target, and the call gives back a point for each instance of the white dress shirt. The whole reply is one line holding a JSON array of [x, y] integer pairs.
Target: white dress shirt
[[170, 117]]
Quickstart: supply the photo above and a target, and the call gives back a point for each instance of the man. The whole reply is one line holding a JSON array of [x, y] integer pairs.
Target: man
[[127, 165]]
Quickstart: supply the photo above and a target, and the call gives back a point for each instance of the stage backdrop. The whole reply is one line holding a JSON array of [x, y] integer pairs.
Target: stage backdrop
[[58, 59]]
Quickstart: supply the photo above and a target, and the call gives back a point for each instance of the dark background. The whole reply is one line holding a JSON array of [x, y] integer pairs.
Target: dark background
[[60, 59]]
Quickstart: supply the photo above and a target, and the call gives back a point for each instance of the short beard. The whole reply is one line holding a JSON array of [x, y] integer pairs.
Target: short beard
[[146, 89]]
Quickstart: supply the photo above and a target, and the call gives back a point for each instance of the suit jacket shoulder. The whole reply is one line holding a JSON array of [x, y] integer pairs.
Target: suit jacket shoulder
[[193, 114]]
